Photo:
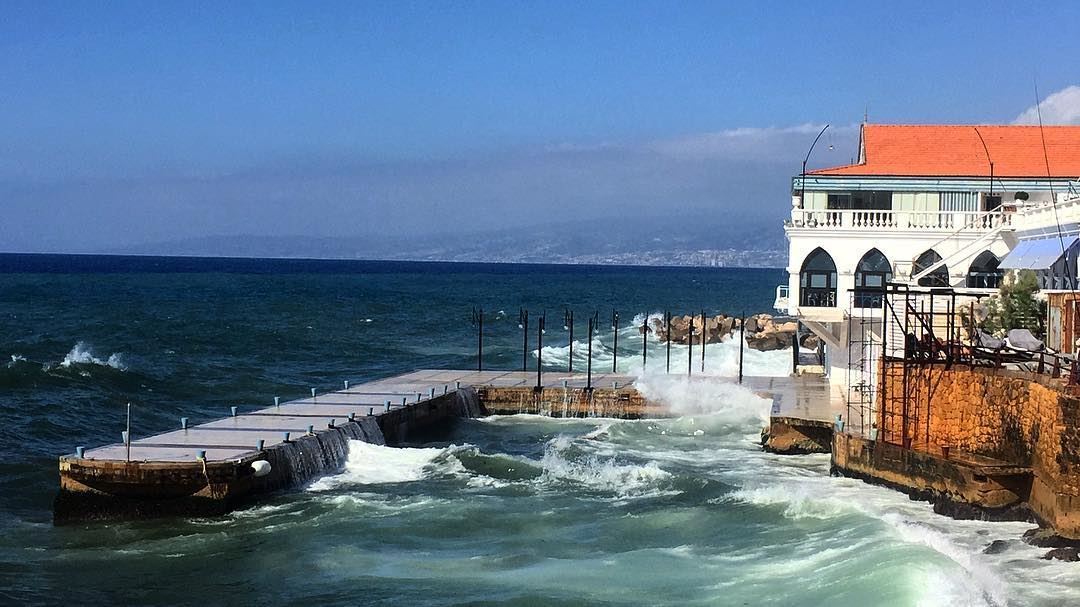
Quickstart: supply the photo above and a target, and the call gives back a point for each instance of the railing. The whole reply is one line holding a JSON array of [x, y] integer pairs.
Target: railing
[[782, 300], [813, 297], [975, 221], [1047, 215]]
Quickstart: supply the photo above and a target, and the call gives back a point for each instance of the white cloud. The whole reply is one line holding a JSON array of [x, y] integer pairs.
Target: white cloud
[[1062, 107], [755, 142]]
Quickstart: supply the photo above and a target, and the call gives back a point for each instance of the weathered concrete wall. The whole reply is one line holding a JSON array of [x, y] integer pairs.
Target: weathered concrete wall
[[959, 488], [1018, 418], [622, 403], [795, 436]]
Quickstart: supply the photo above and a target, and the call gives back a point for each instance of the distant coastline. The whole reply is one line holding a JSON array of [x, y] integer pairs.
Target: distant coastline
[[20, 262]]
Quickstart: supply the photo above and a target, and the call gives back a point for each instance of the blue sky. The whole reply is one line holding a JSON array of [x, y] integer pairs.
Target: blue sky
[[141, 122]]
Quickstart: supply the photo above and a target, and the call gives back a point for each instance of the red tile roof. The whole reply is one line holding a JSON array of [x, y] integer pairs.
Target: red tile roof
[[955, 151]]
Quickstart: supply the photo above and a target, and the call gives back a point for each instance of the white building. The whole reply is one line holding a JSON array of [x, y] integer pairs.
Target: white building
[[928, 205]]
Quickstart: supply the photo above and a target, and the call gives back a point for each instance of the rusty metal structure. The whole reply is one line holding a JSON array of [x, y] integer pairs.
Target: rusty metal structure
[[927, 326]]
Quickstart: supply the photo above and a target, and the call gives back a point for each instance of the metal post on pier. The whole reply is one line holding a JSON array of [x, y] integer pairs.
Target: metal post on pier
[[540, 351], [478, 322], [127, 433], [588, 381], [523, 324], [667, 336], [690, 348], [615, 346], [568, 325], [742, 343], [644, 342], [704, 338], [795, 351]]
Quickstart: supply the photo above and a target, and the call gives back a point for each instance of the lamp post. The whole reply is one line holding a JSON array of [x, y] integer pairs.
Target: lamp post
[[644, 342], [667, 335], [615, 345], [704, 338], [540, 351], [690, 349], [568, 325], [588, 381], [802, 179], [478, 322], [988, 159], [523, 324]]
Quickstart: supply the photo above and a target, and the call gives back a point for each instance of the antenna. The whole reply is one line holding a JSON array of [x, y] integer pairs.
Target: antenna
[[1070, 282]]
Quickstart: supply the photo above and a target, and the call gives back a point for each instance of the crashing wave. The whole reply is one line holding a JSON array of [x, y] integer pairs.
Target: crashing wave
[[82, 354]]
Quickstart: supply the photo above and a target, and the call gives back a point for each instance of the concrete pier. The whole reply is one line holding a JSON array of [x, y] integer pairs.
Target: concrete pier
[[803, 415], [216, 466]]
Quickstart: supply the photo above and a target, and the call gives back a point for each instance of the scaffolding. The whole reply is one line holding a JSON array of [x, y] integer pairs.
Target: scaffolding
[[863, 351]]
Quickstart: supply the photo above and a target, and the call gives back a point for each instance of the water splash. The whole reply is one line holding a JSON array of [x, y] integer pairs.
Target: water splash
[[83, 354]]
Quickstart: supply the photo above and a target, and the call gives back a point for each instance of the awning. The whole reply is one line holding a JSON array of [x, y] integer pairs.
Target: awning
[[1036, 254]]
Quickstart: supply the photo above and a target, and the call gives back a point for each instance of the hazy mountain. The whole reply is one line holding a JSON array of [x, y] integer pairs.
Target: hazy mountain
[[670, 240]]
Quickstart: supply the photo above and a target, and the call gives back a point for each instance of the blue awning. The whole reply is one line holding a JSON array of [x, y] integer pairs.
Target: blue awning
[[1036, 254]]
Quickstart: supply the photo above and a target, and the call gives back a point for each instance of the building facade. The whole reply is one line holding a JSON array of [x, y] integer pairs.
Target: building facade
[[928, 205]]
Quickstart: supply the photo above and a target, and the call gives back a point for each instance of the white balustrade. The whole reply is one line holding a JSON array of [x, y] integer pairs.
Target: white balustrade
[[975, 221]]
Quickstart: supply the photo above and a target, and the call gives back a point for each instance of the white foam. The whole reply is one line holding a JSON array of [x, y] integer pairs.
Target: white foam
[[595, 473], [728, 401], [720, 358], [372, 464], [82, 354]]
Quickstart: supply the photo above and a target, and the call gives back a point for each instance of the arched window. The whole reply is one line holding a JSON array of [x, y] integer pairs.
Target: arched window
[[984, 272], [871, 275], [939, 277], [817, 280]]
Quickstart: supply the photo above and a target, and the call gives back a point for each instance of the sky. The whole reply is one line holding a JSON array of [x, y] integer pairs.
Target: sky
[[132, 123]]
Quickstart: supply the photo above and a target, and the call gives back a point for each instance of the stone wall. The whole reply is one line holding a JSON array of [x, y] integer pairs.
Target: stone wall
[[622, 403], [1019, 418]]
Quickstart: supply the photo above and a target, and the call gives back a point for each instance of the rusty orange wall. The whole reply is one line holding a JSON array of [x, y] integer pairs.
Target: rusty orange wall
[[998, 413], [1069, 312]]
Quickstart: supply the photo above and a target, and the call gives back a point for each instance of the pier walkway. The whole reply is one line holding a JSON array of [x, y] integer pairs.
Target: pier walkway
[[251, 431], [210, 468]]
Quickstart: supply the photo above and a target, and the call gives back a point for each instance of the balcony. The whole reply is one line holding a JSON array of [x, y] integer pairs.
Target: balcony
[[948, 221], [781, 303]]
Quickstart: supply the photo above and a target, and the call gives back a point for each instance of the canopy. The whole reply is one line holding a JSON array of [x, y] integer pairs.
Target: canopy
[[1036, 254]]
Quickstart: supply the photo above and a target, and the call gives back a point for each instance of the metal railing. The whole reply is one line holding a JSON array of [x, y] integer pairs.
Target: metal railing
[[975, 221]]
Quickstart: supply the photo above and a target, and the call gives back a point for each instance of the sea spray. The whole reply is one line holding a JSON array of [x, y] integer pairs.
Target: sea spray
[[83, 354], [727, 401], [369, 464], [721, 359]]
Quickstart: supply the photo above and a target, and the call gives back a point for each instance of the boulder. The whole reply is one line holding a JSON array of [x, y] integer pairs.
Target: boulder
[[751, 325], [1063, 554]]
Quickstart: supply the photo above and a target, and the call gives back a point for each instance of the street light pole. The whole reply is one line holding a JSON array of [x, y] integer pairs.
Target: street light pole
[[568, 325], [523, 324], [802, 179]]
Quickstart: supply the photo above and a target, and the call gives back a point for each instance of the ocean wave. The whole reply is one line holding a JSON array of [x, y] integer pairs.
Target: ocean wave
[[369, 464], [721, 359], [82, 354], [606, 475], [912, 523], [735, 406]]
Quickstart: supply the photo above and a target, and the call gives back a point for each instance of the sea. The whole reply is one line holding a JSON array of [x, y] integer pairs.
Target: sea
[[514, 510]]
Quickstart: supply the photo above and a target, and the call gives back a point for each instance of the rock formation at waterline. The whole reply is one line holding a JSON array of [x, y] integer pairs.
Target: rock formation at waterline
[[762, 331]]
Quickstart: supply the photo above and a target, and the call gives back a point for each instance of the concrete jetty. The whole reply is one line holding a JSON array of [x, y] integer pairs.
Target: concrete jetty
[[804, 412], [213, 467]]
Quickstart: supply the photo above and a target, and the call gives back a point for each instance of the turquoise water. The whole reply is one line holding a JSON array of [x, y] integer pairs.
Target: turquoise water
[[516, 510]]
